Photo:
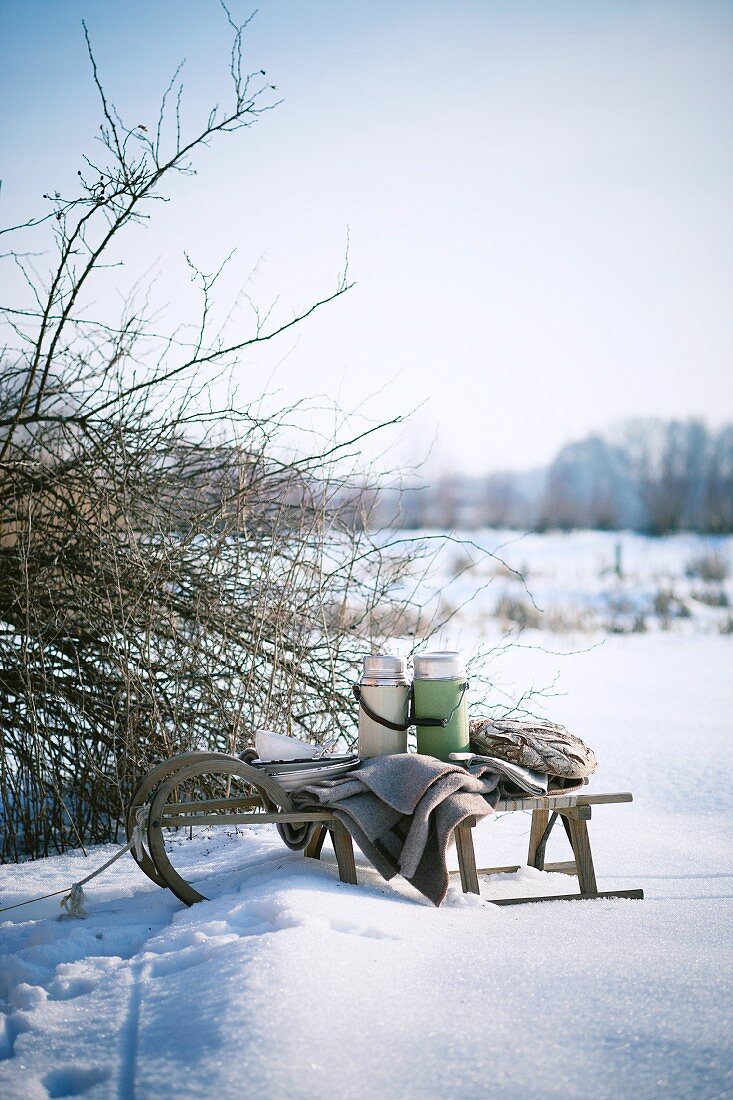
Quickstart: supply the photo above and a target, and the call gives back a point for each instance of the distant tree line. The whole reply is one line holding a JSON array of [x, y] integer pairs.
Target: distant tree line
[[652, 476], [657, 477]]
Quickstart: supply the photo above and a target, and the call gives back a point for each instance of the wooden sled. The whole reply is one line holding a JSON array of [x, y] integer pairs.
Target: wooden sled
[[205, 790]]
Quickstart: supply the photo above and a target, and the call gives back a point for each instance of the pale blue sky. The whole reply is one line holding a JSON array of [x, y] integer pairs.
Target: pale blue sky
[[538, 198]]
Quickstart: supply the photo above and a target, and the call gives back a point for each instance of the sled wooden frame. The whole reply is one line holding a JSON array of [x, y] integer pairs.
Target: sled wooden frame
[[270, 803]]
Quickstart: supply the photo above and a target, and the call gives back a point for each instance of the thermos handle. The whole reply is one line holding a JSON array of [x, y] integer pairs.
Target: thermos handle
[[440, 722], [400, 727], [412, 719]]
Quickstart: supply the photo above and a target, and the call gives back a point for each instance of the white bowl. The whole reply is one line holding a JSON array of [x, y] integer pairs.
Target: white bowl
[[278, 746]]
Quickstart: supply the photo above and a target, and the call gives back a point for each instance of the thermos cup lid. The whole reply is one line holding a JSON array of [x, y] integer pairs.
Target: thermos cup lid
[[392, 668], [439, 666]]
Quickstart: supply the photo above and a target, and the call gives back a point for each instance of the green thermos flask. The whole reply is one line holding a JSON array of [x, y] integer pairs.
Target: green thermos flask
[[440, 708]]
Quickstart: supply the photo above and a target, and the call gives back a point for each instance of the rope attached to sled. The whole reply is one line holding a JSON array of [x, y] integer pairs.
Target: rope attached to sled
[[73, 902]]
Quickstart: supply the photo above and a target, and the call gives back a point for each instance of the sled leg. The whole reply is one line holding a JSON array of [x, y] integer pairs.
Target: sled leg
[[315, 844], [344, 849]]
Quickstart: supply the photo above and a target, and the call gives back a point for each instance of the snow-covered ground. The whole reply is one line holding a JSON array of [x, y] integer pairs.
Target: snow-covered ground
[[289, 984]]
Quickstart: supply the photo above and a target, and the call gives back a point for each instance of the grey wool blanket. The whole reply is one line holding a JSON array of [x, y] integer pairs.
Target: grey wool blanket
[[402, 811]]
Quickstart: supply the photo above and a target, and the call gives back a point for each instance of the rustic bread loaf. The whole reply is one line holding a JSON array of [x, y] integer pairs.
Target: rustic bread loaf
[[542, 746]]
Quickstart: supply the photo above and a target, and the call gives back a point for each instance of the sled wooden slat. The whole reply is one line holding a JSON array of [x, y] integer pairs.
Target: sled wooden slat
[[212, 804], [296, 817], [562, 801], [567, 867]]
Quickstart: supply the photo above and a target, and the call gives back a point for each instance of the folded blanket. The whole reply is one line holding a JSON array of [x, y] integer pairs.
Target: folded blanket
[[402, 811]]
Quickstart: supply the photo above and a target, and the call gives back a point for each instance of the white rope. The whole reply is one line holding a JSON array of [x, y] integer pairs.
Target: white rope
[[74, 900]]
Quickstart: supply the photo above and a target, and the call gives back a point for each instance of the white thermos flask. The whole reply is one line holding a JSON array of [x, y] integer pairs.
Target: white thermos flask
[[383, 694]]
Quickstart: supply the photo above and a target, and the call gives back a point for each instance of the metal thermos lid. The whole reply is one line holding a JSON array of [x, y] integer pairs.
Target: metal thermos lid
[[439, 666], [381, 667]]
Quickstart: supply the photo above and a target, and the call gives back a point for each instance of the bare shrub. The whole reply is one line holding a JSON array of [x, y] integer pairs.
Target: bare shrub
[[636, 625], [624, 615], [708, 566], [518, 611], [626, 623], [168, 579], [462, 561], [502, 571], [567, 620], [669, 606], [712, 597]]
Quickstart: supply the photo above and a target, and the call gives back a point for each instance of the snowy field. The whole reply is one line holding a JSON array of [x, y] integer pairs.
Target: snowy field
[[289, 984], [590, 582]]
